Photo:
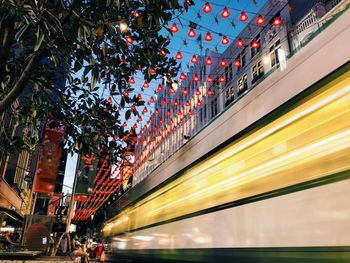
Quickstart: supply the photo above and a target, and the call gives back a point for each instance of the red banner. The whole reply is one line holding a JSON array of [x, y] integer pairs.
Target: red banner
[[49, 159]]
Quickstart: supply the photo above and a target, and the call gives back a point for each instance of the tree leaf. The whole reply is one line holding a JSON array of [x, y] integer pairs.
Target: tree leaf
[[39, 39]]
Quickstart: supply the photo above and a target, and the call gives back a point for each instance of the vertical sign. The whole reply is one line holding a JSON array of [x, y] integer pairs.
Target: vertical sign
[[49, 158], [87, 170]]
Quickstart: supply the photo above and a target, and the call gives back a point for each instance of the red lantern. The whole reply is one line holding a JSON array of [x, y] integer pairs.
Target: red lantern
[[199, 103], [179, 113], [209, 61], [225, 40], [255, 43], [210, 79], [225, 13], [187, 103], [152, 100], [260, 20], [152, 71], [243, 17], [139, 120], [222, 78], [181, 121], [172, 90], [161, 121], [182, 76], [185, 91], [240, 42], [126, 93], [160, 87], [171, 121], [132, 80], [163, 52], [129, 40], [195, 78], [237, 63], [145, 85], [144, 110], [109, 100], [223, 63], [168, 112], [194, 59], [208, 37], [164, 102], [156, 112], [276, 21], [210, 92], [174, 28], [139, 96], [189, 113], [178, 55], [136, 13], [191, 33], [198, 92], [207, 8], [176, 103]]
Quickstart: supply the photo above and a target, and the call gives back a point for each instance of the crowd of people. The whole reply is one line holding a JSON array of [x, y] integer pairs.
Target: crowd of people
[[9, 240]]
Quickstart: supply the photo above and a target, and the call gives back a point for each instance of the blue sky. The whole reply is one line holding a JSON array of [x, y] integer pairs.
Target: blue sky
[[212, 22]]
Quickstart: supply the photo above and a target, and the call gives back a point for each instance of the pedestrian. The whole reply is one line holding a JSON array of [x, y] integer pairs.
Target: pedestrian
[[100, 252]]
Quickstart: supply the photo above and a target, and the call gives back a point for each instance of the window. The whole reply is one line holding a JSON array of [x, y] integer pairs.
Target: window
[[216, 82], [257, 71], [254, 51], [228, 72], [243, 59], [229, 95], [214, 107], [274, 53], [242, 84]]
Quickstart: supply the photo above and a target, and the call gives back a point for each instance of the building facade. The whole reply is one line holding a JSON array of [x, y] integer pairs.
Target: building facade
[[182, 111]]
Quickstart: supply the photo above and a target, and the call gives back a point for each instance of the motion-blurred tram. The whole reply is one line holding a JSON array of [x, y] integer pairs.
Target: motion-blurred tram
[[278, 191]]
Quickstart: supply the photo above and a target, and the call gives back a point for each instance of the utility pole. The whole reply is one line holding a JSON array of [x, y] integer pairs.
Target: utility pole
[[71, 203]]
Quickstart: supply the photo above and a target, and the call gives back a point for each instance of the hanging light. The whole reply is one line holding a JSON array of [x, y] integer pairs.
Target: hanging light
[[152, 100], [223, 63], [168, 113], [210, 92], [139, 96], [181, 121], [178, 55], [207, 8], [191, 33], [199, 103], [276, 21], [129, 40], [209, 61], [225, 40], [196, 78], [163, 52], [174, 28], [156, 112], [139, 119], [171, 121], [208, 37], [255, 43], [132, 80], [237, 63], [185, 91], [145, 85], [160, 87], [176, 103], [182, 76], [109, 100], [194, 59], [152, 71], [179, 113], [260, 20], [160, 121], [225, 13], [240, 42], [189, 112], [144, 110], [222, 78], [187, 103], [136, 13], [198, 92], [164, 102], [126, 93], [243, 17], [172, 90], [210, 79]]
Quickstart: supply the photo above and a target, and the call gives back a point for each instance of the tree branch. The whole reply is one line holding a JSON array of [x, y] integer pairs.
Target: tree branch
[[7, 35], [20, 84]]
